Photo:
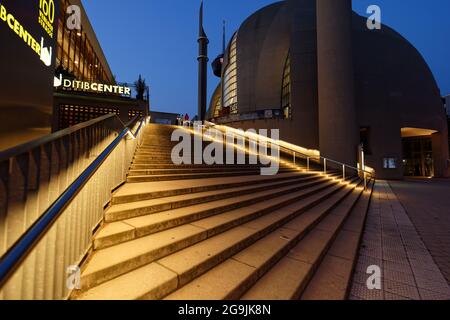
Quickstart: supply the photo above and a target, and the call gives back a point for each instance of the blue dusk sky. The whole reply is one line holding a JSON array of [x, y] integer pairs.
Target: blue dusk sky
[[158, 39]]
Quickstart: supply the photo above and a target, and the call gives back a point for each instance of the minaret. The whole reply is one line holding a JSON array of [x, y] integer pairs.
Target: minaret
[[202, 68], [223, 37], [338, 130]]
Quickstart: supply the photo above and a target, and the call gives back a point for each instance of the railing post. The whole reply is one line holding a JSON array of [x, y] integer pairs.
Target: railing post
[[294, 158], [343, 172], [365, 181], [325, 165], [307, 163]]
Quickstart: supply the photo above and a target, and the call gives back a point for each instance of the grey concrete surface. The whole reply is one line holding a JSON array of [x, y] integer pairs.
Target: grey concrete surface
[[427, 203]]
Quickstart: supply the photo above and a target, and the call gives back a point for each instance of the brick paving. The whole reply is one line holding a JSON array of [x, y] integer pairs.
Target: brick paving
[[391, 241], [427, 203]]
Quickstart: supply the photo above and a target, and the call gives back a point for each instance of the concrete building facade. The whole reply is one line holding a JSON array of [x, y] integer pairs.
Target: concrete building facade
[[329, 83], [446, 100], [164, 117], [42, 45]]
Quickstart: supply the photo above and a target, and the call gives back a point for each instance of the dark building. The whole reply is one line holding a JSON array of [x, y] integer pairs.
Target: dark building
[[75, 84], [315, 71], [446, 101], [164, 117]]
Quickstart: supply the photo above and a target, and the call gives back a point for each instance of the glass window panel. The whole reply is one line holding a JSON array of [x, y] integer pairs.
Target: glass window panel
[[230, 79], [286, 90]]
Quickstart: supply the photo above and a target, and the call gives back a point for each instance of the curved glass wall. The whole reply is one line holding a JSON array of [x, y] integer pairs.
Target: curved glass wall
[[75, 52], [286, 90], [230, 79], [217, 107]]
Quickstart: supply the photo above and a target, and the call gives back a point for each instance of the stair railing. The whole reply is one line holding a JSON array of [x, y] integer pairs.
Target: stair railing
[[314, 156], [52, 196]]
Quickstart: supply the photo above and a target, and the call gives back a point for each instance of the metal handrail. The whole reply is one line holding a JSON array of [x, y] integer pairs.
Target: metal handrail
[[308, 158], [9, 153], [12, 258]]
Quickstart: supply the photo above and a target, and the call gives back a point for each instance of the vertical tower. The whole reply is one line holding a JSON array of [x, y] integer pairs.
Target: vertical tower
[[202, 68], [224, 36], [338, 130]]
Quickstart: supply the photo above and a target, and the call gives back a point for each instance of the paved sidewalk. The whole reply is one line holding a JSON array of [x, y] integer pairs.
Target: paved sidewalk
[[428, 205], [392, 242]]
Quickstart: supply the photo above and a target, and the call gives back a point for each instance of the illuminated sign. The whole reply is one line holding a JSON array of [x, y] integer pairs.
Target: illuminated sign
[[44, 53], [77, 85], [47, 15]]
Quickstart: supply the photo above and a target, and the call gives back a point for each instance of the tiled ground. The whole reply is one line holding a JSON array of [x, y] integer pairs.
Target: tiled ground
[[428, 205], [392, 242]]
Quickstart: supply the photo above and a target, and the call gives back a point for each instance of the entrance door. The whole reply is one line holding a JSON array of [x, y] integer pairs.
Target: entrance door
[[418, 157]]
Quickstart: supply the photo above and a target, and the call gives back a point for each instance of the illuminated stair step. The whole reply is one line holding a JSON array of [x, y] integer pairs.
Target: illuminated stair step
[[288, 278], [141, 172], [332, 280], [112, 233], [252, 262], [132, 192], [199, 258], [167, 177], [132, 210], [111, 262]]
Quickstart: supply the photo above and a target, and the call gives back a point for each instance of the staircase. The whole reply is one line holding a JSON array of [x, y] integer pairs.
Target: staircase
[[224, 232]]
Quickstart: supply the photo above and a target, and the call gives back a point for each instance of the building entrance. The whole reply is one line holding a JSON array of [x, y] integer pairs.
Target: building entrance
[[418, 157]]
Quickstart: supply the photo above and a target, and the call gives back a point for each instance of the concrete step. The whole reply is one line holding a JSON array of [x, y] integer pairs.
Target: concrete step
[[142, 157], [198, 258], [160, 153], [165, 147], [152, 155], [288, 278], [121, 231], [224, 202], [189, 262], [169, 177], [142, 172], [232, 278], [332, 280], [133, 192], [153, 158], [146, 166], [155, 143]]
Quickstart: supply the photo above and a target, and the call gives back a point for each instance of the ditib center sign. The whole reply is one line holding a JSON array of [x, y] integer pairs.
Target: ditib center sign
[[94, 87]]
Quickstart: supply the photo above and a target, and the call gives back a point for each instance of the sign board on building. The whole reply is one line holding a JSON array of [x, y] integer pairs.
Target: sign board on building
[[18, 22], [28, 32], [101, 88]]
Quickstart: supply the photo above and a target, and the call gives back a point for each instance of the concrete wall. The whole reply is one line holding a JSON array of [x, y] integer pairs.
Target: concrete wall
[[156, 117], [338, 132], [264, 41], [394, 87], [447, 104], [26, 83], [125, 105]]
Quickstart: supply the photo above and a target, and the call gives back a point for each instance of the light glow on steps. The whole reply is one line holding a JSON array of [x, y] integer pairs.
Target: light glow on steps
[[248, 151], [311, 153], [275, 159], [304, 151]]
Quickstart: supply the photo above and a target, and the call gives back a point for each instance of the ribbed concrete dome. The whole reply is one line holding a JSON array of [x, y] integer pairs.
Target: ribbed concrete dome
[[394, 88], [387, 67]]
